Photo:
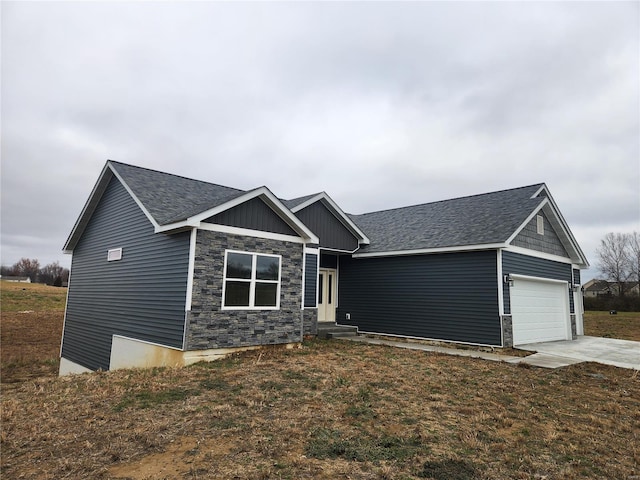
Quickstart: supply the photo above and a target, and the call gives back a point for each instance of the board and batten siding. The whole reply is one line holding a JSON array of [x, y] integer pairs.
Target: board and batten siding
[[519, 264], [310, 280], [141, 296], [253, 214], [331, 232], [452, 296]]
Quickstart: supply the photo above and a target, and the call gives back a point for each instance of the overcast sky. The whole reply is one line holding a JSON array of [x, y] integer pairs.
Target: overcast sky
[[378, 104]]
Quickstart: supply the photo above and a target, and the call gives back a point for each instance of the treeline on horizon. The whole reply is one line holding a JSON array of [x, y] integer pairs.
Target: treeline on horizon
[[51, 274]]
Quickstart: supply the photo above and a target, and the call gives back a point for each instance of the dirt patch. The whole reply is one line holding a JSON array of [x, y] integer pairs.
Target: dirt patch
[[181, 458]]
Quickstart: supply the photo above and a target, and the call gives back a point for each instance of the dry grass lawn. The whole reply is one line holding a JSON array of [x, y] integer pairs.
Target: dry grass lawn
[[330, 409], [624, 325]]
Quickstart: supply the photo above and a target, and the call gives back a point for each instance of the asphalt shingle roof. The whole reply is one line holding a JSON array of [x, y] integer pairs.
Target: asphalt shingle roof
[[293, 203], [171, 198], [475, 220]]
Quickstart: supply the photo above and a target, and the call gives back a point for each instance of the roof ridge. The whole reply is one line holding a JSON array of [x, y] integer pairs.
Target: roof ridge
[[175, 175], [451, 199]]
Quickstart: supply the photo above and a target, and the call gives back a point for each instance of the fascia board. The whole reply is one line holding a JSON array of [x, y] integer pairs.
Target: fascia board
[[337, 212], [269, 198], [553, 211], [306, 203], [535, 211], [427, 251], [108, 171], [135, 198], [90, 205], [567, 230]]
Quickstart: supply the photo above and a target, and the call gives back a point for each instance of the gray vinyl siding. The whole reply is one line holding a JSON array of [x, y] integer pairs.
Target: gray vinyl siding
[[253, 214], [328, 260], [576, 277], [450, 296], [534, 267], [547, 243], [310, 280], [141, 296], [332, 233]]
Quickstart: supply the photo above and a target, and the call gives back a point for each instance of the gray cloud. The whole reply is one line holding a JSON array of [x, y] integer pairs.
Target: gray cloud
[[379, 104]]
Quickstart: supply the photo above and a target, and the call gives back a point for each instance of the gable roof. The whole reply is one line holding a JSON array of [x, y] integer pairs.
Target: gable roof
[[172, 202], [490, 220], [171, 198], [303, 202]]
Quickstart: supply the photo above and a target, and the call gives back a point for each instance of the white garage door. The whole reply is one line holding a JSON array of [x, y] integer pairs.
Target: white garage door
[[540, 311]]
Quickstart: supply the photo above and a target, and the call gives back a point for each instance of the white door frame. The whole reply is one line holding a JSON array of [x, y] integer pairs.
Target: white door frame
[[327, 294]]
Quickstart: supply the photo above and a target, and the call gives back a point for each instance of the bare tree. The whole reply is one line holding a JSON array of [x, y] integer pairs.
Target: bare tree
[[614, 259], [27, 267], [634, 256], [49, 273]]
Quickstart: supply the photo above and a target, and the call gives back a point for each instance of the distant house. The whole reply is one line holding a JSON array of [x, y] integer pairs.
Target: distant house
[[6, 278], [603, 288], [168, 270]]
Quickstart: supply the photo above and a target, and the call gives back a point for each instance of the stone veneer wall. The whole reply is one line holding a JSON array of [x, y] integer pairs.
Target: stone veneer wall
[[507, 330], [210, 327], [310, 321]]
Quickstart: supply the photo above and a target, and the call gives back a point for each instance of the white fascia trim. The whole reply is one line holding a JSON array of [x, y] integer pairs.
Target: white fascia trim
[[427, 251], [500, 287], [535, 211], [138, 202], [98, 185], [543, 187], [535, 253], [192, 266], [269, 198], [312, 251], [245, 232], [337, 212], [563, 223], [336, 250], [304, 267]]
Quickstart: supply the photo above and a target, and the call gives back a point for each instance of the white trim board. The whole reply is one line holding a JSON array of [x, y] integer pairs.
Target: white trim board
[[245, 232], [537, 254], [265, 195], [337, 212], [427, 251]]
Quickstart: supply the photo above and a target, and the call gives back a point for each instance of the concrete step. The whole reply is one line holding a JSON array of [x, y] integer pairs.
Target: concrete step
[[336, 331]]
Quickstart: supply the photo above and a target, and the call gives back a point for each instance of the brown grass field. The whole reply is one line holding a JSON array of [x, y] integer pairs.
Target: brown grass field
[[330, 409]]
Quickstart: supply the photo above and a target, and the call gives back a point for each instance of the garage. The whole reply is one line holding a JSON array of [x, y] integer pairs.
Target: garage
[[540, 310]]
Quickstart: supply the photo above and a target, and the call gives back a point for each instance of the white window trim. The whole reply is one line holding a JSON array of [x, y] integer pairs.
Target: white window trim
[[252, 281]]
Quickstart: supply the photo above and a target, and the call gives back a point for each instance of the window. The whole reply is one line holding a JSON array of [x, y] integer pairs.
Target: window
[[251, 280], [540, 220]]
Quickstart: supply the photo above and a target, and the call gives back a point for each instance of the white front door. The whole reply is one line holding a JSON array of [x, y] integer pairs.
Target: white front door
[[327, 295]]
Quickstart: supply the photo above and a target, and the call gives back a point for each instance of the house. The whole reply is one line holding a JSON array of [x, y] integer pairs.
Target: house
[[168, 270], [8, 278], [603, 288]]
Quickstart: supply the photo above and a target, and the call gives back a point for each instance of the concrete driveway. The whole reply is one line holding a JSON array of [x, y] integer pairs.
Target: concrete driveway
[[610, 351]]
